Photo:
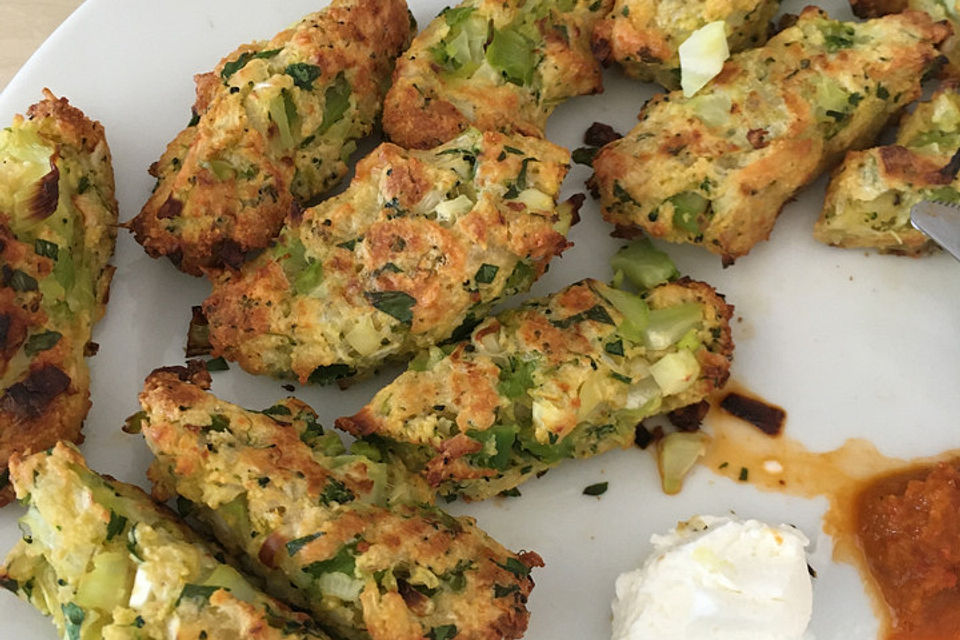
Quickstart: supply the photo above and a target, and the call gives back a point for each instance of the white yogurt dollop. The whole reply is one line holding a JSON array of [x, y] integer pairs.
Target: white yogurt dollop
[[718, 579]]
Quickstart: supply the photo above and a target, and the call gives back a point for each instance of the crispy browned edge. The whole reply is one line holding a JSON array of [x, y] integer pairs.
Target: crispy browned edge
[[196, 382], [715, 365], [877, 8], [216, 250], [63, 411]]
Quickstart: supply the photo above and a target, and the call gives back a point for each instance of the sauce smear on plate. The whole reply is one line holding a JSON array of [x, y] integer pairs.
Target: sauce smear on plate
[[897, 521]]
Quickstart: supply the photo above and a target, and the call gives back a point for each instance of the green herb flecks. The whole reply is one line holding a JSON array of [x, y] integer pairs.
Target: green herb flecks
[[200, 592], [502, 591], [516, 378], [303, 74], [515, 567], [336, 491], [585, 155], [217, 364], [343, 562], [41, 342], [520, 278], [116, 525], [335, 103], [331, 373], [18, 280], [496, 443], [443, 632], [597, 489], [233, 66], [134, 423], [520, 183], [486, 273], [73, 617], [837, 35], [396, 304], [46, 249], [596, 313], [218, 422], [277, 410], [614, 348], [295, 545]]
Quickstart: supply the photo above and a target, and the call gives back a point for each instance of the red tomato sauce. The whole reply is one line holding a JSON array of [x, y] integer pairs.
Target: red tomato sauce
[[908, 525]]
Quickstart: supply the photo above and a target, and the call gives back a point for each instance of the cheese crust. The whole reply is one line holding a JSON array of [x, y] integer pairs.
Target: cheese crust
[[421, 243], [495, 65], [566, 376], [716, 169], [58, 217], [870, 195], [340, 534], [644, 37], [273, 127], [108, 563]]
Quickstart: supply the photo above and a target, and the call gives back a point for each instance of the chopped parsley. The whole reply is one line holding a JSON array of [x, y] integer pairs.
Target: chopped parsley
[[41, 342], [116, 525], [217, 364], [303, 74], [443, 632], [343, 562], [335, 103], [235, 65], [486, 273], [200, 592], [296, 544], [73, 617], [597, 489], [515, 567], [46, 249], [336, 491], [396, 304], [596, 313], [330, 373]]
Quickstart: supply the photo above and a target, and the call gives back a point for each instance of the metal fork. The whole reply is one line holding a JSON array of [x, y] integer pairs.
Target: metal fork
[[940, 221]]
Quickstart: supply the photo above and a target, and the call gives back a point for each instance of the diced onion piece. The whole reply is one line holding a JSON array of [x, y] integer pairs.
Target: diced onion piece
[[591, 395], [642, 393], [107, 584], [634, 309], [676, 455], [230, 579], [547, 416], [565, 215], [644, 265], [668, 325], [945, 114], [450, 210], [142, 588], [713, 109], [675, 372], [491, 343], [702, 56], [535, 199], [363, 336], [278, 113], [340, 585]]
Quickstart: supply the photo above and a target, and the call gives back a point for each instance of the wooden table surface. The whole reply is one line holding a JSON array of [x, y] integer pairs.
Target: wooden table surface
[[24, 25]]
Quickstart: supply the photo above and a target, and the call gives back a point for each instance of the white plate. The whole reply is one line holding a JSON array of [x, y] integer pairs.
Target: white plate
[[850, 344]]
